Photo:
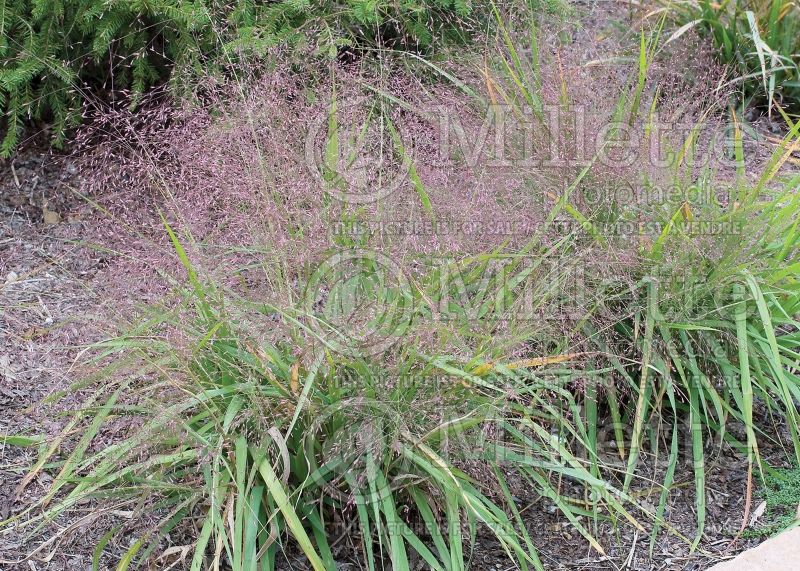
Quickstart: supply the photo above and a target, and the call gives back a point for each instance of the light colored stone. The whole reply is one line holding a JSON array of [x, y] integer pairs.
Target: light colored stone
[[781, 553]]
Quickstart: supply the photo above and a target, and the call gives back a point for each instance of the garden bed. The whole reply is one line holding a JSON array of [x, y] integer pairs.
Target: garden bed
[[99, 244]]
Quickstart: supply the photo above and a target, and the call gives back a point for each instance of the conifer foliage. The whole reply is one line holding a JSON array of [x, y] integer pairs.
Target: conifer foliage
[[57, 55]]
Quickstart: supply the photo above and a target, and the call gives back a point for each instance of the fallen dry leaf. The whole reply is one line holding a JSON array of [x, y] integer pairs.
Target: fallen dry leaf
[[757, 513], [294, 383], [50, 216]]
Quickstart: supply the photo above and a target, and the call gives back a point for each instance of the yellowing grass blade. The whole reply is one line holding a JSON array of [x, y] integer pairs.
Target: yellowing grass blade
[[525, 363]]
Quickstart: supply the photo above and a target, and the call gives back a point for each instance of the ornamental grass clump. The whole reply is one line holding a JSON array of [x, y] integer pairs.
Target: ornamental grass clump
[[758, 41], [268, 445]]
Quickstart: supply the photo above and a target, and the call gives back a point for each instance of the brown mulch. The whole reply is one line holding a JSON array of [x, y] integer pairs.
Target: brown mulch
[[49, 311]]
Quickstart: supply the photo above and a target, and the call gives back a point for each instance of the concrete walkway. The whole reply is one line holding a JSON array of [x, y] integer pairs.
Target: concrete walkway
[[781, 553]]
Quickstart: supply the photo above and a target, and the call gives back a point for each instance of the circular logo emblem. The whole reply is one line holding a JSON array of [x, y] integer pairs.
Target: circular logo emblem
[[356, 152], [350, 445], [360, 302]]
